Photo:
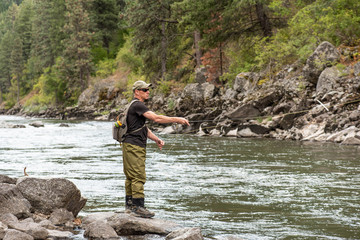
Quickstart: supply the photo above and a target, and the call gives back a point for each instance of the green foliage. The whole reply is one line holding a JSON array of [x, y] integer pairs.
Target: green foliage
[[127, 58], [106, 68]]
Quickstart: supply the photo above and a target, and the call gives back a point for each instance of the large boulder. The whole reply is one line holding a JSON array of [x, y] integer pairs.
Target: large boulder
[[12, 201], [46, 195], [195, 95], [327, 81], [246, 81], [325, 55]]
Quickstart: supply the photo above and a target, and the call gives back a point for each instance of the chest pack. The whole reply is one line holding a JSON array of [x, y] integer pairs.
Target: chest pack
[[120, 127]]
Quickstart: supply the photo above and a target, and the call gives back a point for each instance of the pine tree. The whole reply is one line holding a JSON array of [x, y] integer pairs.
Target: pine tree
[[76, 57]]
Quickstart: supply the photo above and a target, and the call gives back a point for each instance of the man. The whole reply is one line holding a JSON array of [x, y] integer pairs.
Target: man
[[134, 148]]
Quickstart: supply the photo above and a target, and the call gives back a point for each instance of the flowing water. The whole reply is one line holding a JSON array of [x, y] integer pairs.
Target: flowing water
[[247, 188]]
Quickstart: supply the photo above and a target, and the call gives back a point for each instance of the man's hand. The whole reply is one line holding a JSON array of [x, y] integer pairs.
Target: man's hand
[[160, 143], [183, 121]]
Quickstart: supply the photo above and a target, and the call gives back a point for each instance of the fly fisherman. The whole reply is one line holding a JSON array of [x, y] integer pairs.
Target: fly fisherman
[[134, 148]]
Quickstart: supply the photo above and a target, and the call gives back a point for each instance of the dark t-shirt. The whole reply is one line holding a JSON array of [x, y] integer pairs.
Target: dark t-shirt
[[136, 120]]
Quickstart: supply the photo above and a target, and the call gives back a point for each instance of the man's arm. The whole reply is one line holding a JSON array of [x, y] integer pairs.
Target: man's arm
[[165, 119], [153, 137]]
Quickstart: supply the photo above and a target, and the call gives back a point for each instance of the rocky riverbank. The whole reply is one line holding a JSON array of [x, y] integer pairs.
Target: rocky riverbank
[[34, 208], [318, 101]]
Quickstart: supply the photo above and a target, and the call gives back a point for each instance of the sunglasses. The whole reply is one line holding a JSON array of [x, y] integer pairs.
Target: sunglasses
[[144, 89]]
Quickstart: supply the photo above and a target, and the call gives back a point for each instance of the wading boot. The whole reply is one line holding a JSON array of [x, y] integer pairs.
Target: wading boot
[[128, 204], [139, 209]]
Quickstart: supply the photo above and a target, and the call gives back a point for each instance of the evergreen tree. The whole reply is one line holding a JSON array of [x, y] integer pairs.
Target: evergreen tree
[[76, 56], [47, 33], [155, 33], [105, 17]]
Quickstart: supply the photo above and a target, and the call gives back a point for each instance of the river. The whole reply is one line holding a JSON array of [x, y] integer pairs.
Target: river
[[246, 188]]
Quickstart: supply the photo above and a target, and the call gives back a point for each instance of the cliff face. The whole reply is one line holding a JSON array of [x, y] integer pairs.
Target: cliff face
[[317, 101]]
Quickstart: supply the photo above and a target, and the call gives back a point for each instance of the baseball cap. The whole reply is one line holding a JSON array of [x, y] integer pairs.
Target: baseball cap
[[141, 84]]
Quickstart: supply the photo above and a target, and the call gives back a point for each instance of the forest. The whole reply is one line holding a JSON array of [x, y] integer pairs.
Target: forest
[[52, 50]]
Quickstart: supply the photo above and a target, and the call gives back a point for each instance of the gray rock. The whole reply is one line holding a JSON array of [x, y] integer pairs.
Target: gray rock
[[351, 140], [245, 82], [100, 230], [56, 234], [327, 81], [61, 216], [246, 132], [185, 234], [37, 124], [100, 216], [8, 218], [6, 179], [12, 234], [45, 195], [243, 112], [357, 69], [125, 224], [31, 228], [3, 229], [354, 116], [12, 201], [200, 75], [325, 55]]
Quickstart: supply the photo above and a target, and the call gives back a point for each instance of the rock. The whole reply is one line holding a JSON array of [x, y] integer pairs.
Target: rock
[[311, 131], [100, 230], [246, 132], [45, 195], [351, 140], [12, 201], [325, 55], [168, 130], [100, 216], [31, 228], [12, 234], [55, 234], [243, 112], [200, 75], [64, 125], [357, 69], [245, 82], [6, 179], [37, 124], [125, 224], [185, 234], [327, 81], [61, 216], [354, 116], [47, 224], [340, 136], [3, 229], [8, 218], [232, 133], [229, 94]]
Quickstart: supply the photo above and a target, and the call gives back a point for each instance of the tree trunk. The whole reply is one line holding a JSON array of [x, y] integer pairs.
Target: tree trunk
[[198, 53], [163, 51], [18, 89], [221, 59], [1, 95], [263, 19]]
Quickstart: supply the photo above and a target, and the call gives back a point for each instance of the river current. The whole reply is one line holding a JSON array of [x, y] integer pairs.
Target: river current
[[246, 188]]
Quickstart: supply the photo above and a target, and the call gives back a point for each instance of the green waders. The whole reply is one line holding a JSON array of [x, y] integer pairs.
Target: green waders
[[134, 170]]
